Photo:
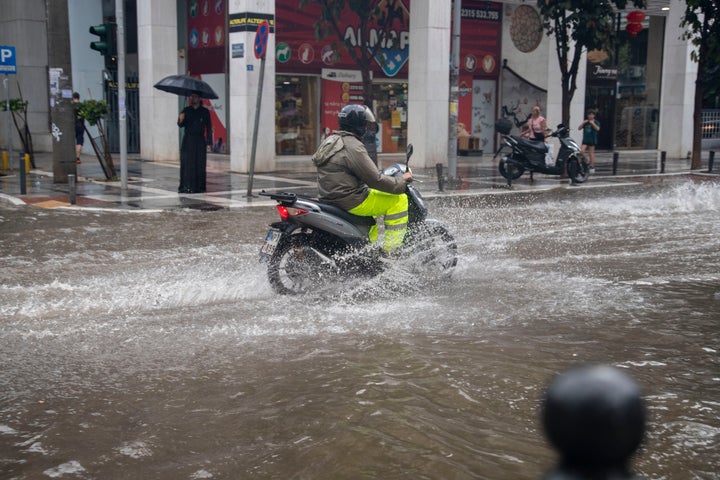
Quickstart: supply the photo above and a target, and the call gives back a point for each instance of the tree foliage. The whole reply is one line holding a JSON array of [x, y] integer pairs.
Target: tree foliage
[[702, 24], [16, 105], [577, 26], [19, 111], [378, 15], [92, 110]]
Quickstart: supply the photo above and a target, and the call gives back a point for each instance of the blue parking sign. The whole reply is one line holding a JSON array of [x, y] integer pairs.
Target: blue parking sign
[[8, 61]]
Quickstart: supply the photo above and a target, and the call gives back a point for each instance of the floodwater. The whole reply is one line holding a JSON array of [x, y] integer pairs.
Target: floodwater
[[150, 345]]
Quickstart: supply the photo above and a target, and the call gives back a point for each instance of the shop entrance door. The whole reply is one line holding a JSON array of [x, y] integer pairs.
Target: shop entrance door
[[602, 100]]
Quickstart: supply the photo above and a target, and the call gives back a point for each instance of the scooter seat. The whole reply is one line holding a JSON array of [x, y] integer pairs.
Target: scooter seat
[[532, 144], [339, 212]]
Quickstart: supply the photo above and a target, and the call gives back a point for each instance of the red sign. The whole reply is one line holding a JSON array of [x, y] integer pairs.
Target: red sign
[[339, 87], [206, 36], [261, 39], [303, 53], [480, 36]]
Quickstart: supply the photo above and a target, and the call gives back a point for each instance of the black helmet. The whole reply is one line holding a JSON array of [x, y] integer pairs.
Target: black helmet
[[355, 118]]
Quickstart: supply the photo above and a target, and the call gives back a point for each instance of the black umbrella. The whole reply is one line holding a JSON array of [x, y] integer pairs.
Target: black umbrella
[[184, 85]]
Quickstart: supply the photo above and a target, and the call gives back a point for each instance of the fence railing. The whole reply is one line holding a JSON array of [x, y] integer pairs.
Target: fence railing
[[711, 124], [132, 104]]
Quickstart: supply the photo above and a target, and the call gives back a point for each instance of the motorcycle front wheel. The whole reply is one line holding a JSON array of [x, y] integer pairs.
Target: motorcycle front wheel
[[578, 169], [510, 171], [297, 267], [431, 247]]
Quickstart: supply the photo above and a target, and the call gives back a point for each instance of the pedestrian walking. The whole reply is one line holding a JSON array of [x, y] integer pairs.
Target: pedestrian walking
[[79, 128], [197, 140], [590, 127]]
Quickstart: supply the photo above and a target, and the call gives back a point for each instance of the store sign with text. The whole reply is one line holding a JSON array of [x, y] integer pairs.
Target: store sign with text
[[339, 87], [306, 54]]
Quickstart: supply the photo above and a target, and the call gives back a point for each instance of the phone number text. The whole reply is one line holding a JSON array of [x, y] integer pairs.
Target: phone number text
[[480, 14]]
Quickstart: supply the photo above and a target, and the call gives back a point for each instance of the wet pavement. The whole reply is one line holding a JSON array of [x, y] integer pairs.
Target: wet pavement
[[153, 185], [151, 345]]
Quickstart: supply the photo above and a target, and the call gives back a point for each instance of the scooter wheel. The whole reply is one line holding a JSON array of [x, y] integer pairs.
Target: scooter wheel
[[510, 171], [296, 268], [578, 170], [432, 246]]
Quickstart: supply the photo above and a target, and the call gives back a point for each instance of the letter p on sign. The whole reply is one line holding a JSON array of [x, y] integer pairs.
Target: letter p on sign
[[7, 60]]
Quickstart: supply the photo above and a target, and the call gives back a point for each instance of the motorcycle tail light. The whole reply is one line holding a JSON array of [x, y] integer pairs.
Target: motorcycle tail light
[[287, 212], [282, 210]]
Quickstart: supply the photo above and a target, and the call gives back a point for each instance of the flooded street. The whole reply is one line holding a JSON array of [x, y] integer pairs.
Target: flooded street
[[150, 345]]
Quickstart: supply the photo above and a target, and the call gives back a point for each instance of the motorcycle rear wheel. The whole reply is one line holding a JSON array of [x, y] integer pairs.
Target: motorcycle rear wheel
[[510, 171], [296, 268]]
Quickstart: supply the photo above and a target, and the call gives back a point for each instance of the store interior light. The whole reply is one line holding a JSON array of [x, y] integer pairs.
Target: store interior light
[[665, 8]]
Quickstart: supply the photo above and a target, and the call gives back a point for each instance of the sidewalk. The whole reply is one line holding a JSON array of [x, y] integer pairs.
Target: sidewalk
[[152, 186]]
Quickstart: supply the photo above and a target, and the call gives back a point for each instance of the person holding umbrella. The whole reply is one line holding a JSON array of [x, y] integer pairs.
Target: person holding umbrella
[[193, 152]]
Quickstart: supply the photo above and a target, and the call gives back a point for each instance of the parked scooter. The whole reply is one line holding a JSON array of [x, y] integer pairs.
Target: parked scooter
[[317, 244], [527, 154]]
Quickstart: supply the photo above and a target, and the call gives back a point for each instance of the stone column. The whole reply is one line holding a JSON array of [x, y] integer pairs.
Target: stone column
[[429, 82], [244, 82], [158, 58], [62, 111], [677, 96]]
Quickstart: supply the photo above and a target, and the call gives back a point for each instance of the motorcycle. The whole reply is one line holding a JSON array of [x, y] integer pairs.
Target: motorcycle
[[316, 244], [527, 154]]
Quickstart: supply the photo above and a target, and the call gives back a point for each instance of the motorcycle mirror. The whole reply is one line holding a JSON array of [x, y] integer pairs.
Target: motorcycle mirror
[[408, 153]]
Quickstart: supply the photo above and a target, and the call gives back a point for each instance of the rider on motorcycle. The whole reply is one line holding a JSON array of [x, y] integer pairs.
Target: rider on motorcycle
[[349, 179]]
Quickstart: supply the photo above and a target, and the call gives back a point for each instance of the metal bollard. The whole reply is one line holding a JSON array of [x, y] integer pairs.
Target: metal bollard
[[711, 160], [72, 186], [4, 160], [439, 169], [27, 163], [663, 156], [616, 156], [594, 415], [21, 170]]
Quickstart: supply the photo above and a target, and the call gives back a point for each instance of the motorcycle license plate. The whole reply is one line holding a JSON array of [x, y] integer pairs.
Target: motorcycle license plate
[[271, 242]]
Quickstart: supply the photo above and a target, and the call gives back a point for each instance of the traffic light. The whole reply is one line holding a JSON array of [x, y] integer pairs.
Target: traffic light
[[106, 43]]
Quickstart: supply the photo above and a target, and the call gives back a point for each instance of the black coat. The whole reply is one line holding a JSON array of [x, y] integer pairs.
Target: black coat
[[193, 152]]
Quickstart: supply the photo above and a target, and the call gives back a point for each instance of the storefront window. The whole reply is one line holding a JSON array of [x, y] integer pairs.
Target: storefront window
[[296, 114], [390, 106], [638, 87], [624, 87]]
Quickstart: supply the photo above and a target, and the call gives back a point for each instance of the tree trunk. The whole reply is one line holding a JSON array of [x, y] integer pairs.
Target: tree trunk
[[696, 159]]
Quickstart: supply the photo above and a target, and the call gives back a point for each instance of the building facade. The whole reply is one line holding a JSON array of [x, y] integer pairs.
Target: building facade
[[507, 65]]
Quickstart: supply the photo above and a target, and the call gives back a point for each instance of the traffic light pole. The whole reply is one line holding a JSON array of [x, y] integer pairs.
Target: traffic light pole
[[122, 108]]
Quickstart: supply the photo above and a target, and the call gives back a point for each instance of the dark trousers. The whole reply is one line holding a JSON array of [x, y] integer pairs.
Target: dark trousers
[[193, 163]]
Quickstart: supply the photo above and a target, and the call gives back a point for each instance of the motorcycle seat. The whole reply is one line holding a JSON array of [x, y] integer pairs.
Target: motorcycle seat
[[339, 212], [532, 144]]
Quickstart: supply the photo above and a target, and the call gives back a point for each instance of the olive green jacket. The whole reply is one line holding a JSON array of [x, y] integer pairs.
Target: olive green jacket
[[346, 172]]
